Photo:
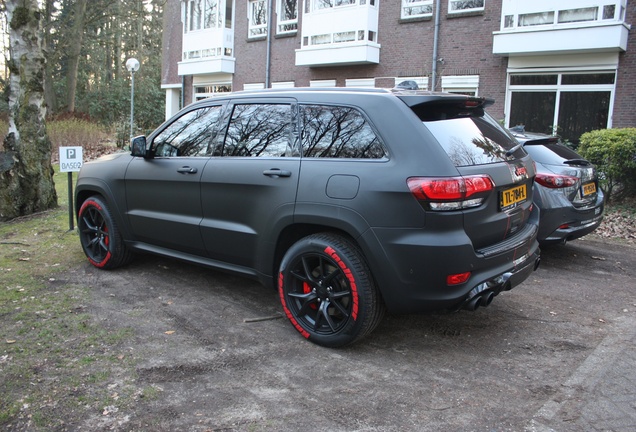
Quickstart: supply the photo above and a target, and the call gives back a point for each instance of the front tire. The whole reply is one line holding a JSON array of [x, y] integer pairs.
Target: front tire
[[327, 291], [100, 237]]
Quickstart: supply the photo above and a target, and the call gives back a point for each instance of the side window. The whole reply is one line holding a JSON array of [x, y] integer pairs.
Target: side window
[[259, 130], [338, 132], [190, 135]]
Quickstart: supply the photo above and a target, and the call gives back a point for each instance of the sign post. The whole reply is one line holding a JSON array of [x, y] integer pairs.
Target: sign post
[[70, 161]]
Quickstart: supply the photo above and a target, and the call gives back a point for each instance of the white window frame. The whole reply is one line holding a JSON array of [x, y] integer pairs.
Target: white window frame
[[256, 30], [291, 24], [414, 5], [461, 84], [253, 86], [451, 11], [360, 83], [558, 88], [322, 83], [283, 84]]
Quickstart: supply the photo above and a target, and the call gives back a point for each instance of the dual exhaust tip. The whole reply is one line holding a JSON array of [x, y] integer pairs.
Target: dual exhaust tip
[[484, 298]]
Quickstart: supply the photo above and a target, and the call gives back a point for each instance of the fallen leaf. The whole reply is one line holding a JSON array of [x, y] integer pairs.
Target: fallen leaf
[[11, 341], [169, 332]]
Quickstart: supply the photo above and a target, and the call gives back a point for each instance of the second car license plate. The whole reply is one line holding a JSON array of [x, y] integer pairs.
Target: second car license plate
[[509, 198], [589, 189]]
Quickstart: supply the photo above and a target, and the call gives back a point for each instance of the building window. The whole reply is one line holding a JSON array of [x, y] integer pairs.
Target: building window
[[578, 15], [203, 14], [253, 86], [417, 8], [322, 83], [208, 91], [360, 82], [316, 5], [459, 6], [287, 16], [283, 84], [257, 15], [461, 84], [568, 104]]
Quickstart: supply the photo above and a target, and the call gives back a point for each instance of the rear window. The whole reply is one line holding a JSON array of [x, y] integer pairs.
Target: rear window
[[550, 153], [473, 140]]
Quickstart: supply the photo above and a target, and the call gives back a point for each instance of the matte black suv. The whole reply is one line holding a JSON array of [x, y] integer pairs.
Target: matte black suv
[[350, 202]]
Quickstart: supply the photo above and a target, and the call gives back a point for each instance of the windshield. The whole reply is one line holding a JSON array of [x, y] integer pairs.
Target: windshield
[[475, 140]]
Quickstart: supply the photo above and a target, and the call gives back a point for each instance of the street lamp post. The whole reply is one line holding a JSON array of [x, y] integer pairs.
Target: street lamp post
[[132, 64]]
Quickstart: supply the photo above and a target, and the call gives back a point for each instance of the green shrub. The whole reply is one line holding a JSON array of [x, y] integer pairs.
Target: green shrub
[[613, 151]]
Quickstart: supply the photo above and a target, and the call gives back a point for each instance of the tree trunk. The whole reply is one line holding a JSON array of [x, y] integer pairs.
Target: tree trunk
[[26, 174], [74, 51], [49, 91]]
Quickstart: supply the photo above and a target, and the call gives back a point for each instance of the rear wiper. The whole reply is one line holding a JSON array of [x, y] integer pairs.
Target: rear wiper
[[511, 151], [581, 162]]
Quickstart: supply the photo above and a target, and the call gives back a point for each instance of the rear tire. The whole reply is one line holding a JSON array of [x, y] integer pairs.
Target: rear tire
[[327, 291], [100, 237]]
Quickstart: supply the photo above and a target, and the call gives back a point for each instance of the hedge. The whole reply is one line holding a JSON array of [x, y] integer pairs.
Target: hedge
[[613, 151]]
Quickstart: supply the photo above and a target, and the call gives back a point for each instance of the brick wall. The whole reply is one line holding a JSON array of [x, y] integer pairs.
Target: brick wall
[[625, 102]]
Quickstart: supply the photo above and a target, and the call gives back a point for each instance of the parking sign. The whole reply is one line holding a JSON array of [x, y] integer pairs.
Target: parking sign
[[70, 159]]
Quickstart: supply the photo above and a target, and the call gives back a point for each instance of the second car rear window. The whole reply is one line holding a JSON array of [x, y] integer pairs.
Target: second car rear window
[[474, 140]]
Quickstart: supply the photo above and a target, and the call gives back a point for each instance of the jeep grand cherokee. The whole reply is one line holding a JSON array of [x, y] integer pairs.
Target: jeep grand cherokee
[[349, 202]]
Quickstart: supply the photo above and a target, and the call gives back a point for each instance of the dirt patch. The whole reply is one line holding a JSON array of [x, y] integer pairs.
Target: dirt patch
[[206, 351]]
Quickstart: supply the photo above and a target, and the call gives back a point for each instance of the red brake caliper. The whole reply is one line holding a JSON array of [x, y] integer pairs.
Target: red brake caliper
[[307, 290]]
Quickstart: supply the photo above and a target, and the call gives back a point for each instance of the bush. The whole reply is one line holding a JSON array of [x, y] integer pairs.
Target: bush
[[613, 151], [74, 132]]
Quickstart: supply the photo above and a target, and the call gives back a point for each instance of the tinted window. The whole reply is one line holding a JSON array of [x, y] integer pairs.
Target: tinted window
[[259, 130], [551, 153], [189, 135], [338, 132], [472, 140]]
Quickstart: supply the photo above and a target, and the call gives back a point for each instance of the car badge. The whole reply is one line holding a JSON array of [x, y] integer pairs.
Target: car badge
[[519, 173]]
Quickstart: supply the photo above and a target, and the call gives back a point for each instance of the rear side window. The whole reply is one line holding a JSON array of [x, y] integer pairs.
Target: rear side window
[[190, 135], [473, 140], [259, 130], [338, 132]]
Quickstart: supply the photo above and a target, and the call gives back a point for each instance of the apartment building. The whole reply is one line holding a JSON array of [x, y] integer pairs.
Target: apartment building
[[561, 66]]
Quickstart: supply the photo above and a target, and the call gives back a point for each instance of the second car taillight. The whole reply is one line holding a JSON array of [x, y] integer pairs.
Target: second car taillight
[[451, 193], [556, 181]]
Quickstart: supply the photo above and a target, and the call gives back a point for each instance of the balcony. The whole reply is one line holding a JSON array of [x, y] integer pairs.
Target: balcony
[[564, 27], [338, 33], [208, 51]]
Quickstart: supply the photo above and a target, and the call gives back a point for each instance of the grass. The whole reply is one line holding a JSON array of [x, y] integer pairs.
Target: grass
[[54, 360]]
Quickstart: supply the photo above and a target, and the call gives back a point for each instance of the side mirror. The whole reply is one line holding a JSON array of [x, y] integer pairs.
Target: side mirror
[[138, 147]]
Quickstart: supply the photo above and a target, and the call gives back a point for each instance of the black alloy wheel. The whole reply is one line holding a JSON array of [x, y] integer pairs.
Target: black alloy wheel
[[327, 291], [100, 237]]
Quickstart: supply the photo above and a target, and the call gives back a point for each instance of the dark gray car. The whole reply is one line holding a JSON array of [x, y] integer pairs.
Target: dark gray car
[[566, 189], [349, 202]]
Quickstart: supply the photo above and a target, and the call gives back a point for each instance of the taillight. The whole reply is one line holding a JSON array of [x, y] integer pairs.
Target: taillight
[[556, 181], [450, 193]]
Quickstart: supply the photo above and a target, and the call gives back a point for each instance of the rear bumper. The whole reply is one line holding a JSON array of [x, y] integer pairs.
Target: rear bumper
[[412, 276], [560, 221]]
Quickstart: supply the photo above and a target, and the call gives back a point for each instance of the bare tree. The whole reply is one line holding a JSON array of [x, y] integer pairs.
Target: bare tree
[[26, 174]]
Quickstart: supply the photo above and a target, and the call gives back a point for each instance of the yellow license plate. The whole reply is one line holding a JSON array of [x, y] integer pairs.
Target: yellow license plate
[[589, 188], [513, 196]]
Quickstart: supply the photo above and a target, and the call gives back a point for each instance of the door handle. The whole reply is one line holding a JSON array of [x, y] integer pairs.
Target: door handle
[[277, 172], [187, 170]]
